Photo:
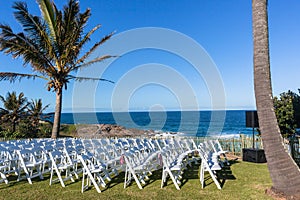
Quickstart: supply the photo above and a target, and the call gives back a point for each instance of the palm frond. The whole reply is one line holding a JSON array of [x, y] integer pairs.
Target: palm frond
[[87, 36], [98, 59], [70, 13], [36, 107], [2, 99], [12, 77], [20, 45], [71, 33], [74, 50], [34, 28], [73, 25], [48, 12], [30, 23], [80, 79], [81, 60], [81, 23], [3, 111]]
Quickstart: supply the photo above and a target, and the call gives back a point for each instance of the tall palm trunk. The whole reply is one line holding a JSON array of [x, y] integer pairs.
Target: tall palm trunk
[[284, 172], [14, 124], [57, 114]]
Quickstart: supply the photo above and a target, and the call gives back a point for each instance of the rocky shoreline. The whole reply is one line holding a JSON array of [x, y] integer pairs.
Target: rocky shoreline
[[110, 130]]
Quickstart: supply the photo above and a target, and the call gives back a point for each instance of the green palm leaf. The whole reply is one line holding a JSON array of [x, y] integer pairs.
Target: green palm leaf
[[90, 79], [103, 40], [12, 77], [52, 45], [35, 29], [99, 59], [48, 11]]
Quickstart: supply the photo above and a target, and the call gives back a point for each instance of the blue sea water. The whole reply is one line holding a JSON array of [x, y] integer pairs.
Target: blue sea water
[[192, 123]]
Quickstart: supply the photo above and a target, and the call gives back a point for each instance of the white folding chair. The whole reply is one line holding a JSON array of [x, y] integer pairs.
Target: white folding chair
[[4, 164], [41, 157], [30, 165], [135, 168], [3, 172], [10, 156], [219, 150], [92, 173], [72, 155], [112, 165], [172, 168], [47, 160], [210, 164], [61, 163]]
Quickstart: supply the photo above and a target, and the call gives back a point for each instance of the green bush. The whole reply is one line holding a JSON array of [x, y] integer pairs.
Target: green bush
[[287, 109], [45, 130], [20, 118], [5, 134]]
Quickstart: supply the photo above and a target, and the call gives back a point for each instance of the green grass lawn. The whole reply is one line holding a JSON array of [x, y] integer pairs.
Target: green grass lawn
[[243, 180]]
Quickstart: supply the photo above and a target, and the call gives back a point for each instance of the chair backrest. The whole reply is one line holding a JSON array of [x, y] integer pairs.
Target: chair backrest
[[26, 156], [48, 148], [57, 157], [5, 154], [39, 153]]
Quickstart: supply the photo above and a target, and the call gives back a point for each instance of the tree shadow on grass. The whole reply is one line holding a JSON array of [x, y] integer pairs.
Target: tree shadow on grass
[[192, 172], [222, 175], [13, 180], [156, 175]]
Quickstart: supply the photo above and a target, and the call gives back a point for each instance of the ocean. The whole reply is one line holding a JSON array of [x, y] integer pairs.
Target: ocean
[[189, 123]]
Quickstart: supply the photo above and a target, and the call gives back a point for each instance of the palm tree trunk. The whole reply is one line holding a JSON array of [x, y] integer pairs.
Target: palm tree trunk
[[57, 114], [283, 170], [14, 126]]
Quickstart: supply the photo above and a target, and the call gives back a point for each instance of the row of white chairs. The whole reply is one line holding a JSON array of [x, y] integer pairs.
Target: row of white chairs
[[210, 153], [99, 160]]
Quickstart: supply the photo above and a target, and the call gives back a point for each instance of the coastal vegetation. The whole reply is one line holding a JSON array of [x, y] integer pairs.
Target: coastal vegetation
[[287, 109], [20, 118], [284, 172], [52, 44]]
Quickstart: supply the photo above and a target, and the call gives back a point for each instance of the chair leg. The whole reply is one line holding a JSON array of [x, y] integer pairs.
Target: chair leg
[[91, 179], [137, 180], [213, 176], [27, 175], [125, 181], [163, 179], [202, 175], [82, 184], [2, 175], [59, 177], [174, 180], [39, 171]]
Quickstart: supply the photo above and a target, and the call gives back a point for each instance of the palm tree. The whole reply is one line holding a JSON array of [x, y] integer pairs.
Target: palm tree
[[35, 111], [52, 45], [15, 107], [283, 170]]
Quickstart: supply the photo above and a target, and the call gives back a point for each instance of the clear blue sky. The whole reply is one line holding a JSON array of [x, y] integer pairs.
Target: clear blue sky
[[222, 28]]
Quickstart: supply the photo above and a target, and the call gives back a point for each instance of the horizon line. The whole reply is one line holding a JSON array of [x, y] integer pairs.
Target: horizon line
[[109, 111]]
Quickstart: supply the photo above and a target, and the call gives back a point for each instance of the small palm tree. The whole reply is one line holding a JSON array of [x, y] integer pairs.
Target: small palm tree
[[52, 45], [35, 111], [14, 108]]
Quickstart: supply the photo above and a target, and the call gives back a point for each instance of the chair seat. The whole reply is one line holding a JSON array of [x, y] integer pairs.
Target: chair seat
[[96, 170], [2, 167], [64, 166], [176, 168]]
